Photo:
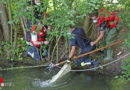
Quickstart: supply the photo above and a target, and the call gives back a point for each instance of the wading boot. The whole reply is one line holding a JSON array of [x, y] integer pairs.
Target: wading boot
[[109, 55]]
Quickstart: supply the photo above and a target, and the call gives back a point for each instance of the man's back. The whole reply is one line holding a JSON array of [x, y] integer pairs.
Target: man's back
[[79, 38]]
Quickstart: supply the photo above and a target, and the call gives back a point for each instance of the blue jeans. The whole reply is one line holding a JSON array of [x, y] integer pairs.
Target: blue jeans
[[34, 53]]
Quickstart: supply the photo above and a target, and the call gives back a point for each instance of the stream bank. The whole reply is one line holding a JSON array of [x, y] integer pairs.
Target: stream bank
[[112, 69]]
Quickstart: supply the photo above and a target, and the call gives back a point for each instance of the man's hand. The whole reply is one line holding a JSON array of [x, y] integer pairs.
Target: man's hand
[[92, 43], [49, 27], [99, 38], [46, 42]]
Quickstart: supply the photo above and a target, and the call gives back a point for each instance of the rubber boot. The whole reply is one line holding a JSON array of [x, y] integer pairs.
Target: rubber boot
[[109, 55]]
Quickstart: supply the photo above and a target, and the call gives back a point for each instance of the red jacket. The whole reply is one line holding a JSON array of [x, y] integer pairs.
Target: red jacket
[[109, 17], [40, 35]]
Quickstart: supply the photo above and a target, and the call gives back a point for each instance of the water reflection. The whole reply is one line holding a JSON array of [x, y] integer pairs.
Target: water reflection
[[37, 79]]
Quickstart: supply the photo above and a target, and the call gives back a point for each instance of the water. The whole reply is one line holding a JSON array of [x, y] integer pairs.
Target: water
[[37, 79]]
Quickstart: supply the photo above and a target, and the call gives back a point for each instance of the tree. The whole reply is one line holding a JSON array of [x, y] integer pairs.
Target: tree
[[4, 21]]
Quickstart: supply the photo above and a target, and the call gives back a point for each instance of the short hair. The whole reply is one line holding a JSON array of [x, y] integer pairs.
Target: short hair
[[95, 13]]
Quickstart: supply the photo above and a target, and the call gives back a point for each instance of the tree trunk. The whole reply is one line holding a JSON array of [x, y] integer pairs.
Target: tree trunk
[[86, 23], [23, 26], [88, 27], [4, 21], [1, 36]]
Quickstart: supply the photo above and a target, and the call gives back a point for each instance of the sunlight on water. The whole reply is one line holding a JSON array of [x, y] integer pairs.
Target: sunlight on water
[[37, 82], [44, 83], [61, 82]]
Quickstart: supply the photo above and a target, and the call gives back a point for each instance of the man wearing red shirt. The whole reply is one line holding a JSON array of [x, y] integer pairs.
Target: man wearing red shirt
[[107, 30]]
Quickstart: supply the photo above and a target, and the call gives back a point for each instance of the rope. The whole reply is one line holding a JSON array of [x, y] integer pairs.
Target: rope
[[22, 67], [101, 66]]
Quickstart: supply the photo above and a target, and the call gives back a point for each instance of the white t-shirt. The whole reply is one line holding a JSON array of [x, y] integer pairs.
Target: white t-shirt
[[34, 37]]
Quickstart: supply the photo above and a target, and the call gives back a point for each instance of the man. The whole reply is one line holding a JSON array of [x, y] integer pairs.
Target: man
[[104, 24], [38, 38], [80, 40], [35, 16]]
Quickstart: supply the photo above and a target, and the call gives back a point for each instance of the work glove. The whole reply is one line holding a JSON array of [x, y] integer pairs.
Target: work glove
[[82, 64], [68, 60]]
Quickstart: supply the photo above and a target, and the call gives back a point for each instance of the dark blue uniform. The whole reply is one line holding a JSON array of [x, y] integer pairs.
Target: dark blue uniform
[[82, 43]]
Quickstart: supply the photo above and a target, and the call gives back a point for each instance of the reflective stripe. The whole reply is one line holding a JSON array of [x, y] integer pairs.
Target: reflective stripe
[[31, 54]]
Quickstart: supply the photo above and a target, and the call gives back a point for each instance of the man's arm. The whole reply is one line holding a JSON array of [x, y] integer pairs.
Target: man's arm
[[73, 49], [40, 43], [99, 38]]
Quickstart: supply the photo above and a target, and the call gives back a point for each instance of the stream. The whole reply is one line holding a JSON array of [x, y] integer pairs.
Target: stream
[[37, 79]]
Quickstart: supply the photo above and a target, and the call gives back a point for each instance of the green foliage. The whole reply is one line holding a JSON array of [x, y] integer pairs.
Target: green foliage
[[18, 51], [126, 67], [1, 50], [63, 13], [125, 16], [119, 84]]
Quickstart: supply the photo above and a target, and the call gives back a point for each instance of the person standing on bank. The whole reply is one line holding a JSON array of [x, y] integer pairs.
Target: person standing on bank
[[80, 40], [107, 30]]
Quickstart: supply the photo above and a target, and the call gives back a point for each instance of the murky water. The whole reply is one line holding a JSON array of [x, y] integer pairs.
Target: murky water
[[37, 79]]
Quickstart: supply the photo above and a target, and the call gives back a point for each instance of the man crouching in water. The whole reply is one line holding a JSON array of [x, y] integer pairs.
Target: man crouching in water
[[80, 40]]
